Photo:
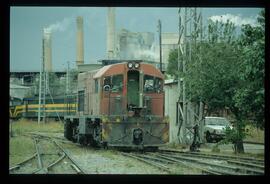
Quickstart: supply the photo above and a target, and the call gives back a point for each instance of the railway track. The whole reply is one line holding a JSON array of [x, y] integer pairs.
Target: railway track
[[47, 163], [164, 164], [222, 165], [167, 160], [248, 160]]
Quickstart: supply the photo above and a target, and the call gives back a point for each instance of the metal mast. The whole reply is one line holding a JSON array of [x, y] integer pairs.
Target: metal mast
[[188, 18], [42, 86]]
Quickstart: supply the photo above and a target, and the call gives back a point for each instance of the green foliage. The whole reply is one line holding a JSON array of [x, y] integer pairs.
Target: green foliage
[[173, 63], [220, 32], [225, 72], [213, 80], [250, 95], [233, 135]]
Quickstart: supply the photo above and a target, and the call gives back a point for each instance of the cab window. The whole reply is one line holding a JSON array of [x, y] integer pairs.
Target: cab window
[[152, 84], [158, 85], [107, 83], [117, 83], [148, 83], [113, 83]]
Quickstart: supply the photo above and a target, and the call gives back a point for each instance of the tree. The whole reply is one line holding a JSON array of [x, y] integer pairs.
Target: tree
[[250, 95], [228, 73], [172, 68]]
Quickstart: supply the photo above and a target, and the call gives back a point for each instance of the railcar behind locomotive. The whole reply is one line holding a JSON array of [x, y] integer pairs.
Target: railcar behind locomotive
[[120, 105], [54, 109]]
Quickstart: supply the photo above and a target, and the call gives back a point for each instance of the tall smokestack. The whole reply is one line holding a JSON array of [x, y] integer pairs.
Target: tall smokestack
[[47, 50], [111, 33], [80, 50]]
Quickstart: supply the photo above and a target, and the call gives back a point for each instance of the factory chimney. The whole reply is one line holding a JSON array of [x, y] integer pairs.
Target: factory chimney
[[111, 33], [80, 50], [47, 50]]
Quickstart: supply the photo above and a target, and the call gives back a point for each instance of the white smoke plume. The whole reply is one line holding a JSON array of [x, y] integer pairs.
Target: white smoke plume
[[237, 20], [137, 51], [60, 25], [149, 54]]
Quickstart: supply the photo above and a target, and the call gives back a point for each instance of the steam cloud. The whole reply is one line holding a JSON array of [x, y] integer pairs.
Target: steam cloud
[[137, 51], [150, 54], [237, 20], [59, 26]]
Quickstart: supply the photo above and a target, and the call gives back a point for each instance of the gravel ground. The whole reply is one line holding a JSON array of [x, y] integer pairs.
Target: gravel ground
[[101, 161]]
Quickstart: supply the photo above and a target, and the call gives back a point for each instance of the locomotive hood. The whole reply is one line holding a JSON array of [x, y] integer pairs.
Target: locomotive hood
[[120, 68]]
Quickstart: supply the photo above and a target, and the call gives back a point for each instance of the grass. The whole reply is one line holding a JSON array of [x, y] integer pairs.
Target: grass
[[22, 147], [177, 146], [23, 126], [254, 134]]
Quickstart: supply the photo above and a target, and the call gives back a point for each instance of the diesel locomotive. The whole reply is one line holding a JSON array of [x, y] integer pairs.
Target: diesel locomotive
[[120, 105]]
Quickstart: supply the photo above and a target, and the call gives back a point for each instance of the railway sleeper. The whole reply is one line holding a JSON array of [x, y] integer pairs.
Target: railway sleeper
[[156, 159], [260, 165], [221, 156], [160, 166], [255, 166], [204, 171], [230, 168]]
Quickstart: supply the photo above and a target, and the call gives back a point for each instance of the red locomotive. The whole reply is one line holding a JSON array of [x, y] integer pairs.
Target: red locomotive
[[120, 105]]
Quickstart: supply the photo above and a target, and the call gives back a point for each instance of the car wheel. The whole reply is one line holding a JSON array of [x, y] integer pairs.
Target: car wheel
[[208, 137]]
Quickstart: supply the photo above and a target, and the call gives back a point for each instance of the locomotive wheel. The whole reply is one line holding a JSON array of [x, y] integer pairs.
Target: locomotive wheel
[[82, 140], [208, 137], [68, 130]]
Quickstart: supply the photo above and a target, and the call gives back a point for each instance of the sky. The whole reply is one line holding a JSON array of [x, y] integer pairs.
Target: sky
[[27, 23]]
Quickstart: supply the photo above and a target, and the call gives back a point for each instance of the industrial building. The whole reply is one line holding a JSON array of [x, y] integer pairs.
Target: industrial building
[[172, 111]]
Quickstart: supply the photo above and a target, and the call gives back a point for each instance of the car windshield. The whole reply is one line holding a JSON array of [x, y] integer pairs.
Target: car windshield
[[217, 121]]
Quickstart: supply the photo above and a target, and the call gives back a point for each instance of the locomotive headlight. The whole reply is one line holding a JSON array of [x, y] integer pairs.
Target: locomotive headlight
[[137, 65], [130, 65]]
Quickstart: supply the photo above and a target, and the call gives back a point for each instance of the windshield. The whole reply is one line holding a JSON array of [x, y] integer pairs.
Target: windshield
[[113, 83], [217, 121], [152, 84]]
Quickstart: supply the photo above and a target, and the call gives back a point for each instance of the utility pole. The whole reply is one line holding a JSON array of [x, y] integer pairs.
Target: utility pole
[[67, 79], [184, 80], [201, 106], [160, 45], [67, 87]]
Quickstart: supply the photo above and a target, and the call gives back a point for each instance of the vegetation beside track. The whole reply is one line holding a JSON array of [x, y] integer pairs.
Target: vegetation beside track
[[23, 126], [22, 147]]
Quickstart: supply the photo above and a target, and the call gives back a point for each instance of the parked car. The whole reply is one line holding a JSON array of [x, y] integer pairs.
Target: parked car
[[214, 128]]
